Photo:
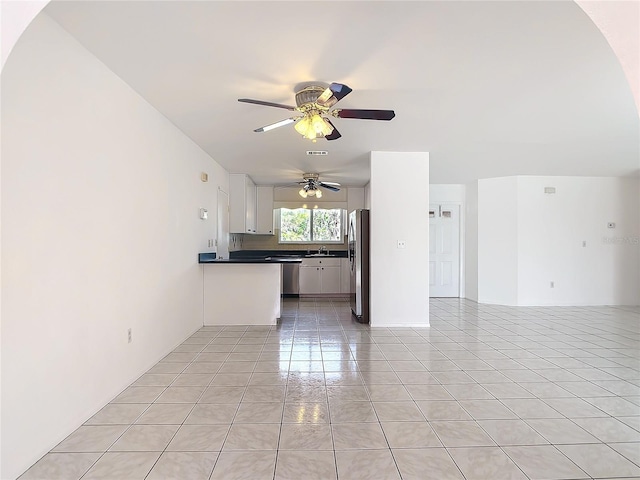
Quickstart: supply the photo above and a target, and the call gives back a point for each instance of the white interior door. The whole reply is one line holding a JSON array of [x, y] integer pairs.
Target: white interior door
[[222, 233], [444, 250]]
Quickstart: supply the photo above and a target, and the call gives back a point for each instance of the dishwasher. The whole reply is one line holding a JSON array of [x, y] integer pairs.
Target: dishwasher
[[290, 279]]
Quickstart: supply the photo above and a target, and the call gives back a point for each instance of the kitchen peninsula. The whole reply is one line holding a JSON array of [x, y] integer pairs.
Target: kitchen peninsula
[[242, 291]]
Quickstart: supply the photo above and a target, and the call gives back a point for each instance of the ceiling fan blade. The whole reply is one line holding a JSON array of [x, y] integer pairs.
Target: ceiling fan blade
[[288, 185], [366, 114], [340, 90], [333, 184], [281, 123], [335, 134], [267, 104], [333, 94], [329, 187]]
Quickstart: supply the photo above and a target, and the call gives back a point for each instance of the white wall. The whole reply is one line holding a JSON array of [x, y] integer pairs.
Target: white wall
[[528, 239], [497, 241], [551, 232], [367, 196], [15, 16], [471, 241], [399, 277], [447, 193], [100, 199], [355, 199]]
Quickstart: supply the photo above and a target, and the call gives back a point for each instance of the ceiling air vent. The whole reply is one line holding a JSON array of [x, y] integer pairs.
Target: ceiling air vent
[[317, 152]]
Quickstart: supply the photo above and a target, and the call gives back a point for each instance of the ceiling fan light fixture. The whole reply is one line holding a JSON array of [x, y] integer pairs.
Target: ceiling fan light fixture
[[313, 126], [320, 125], [303, 193], [303, 125], [318, 194]]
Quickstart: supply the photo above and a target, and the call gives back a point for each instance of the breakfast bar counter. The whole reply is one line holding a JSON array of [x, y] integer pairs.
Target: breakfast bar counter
[[242, 291]]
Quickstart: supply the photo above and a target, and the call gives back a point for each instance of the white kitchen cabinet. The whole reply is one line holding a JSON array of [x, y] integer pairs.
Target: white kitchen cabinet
[[242, 204], [309, 280], [250, 189], [345, 276], [264, 210], [320, 276], [330, 279]]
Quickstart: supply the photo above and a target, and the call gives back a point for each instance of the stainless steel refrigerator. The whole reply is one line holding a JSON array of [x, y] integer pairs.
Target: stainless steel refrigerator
[[359, 263]]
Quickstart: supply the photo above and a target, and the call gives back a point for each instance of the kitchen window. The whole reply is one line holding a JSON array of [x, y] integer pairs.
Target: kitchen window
[[305, 225]]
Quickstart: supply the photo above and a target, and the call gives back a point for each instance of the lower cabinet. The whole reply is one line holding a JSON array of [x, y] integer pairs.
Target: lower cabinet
[[310, 280], [320, 276], [330, 279]]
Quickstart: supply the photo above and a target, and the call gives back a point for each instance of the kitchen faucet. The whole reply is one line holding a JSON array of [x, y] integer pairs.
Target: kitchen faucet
[[322, 250]]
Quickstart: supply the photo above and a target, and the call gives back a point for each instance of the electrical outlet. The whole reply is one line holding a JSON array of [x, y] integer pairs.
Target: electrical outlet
[[552, 284], [402, 244], [129, 336]]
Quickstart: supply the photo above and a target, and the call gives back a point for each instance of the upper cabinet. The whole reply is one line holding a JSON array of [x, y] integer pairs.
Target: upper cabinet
[[264, 210], [250, 207], [242, 204]]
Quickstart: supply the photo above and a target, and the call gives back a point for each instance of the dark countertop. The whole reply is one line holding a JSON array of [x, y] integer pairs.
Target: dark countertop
[[286, 254], [210, 258], [267, 256]]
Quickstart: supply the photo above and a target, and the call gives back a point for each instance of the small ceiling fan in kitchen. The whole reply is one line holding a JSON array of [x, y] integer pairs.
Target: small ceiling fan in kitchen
[[311, 186], [314, 104]]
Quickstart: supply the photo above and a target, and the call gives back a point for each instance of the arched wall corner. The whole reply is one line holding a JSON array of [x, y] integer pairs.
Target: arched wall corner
[[619, 22], [15, 17]]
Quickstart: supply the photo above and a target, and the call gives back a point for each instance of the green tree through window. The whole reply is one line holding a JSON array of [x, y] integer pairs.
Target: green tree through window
[[310, 226]]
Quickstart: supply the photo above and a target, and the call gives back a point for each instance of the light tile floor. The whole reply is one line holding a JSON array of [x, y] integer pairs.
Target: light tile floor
[[486, 393]]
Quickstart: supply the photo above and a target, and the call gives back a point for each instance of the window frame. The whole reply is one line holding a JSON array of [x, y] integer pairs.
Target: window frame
[[312, 241]]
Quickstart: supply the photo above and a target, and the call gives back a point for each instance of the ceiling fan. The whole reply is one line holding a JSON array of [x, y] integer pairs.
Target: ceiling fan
[[311, 186], [314, 103]]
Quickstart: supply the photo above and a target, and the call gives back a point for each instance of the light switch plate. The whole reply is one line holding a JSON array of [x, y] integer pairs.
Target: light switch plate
[[204, 213]]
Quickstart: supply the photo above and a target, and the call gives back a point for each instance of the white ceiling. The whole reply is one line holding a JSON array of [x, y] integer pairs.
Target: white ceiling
[[487, 88]]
